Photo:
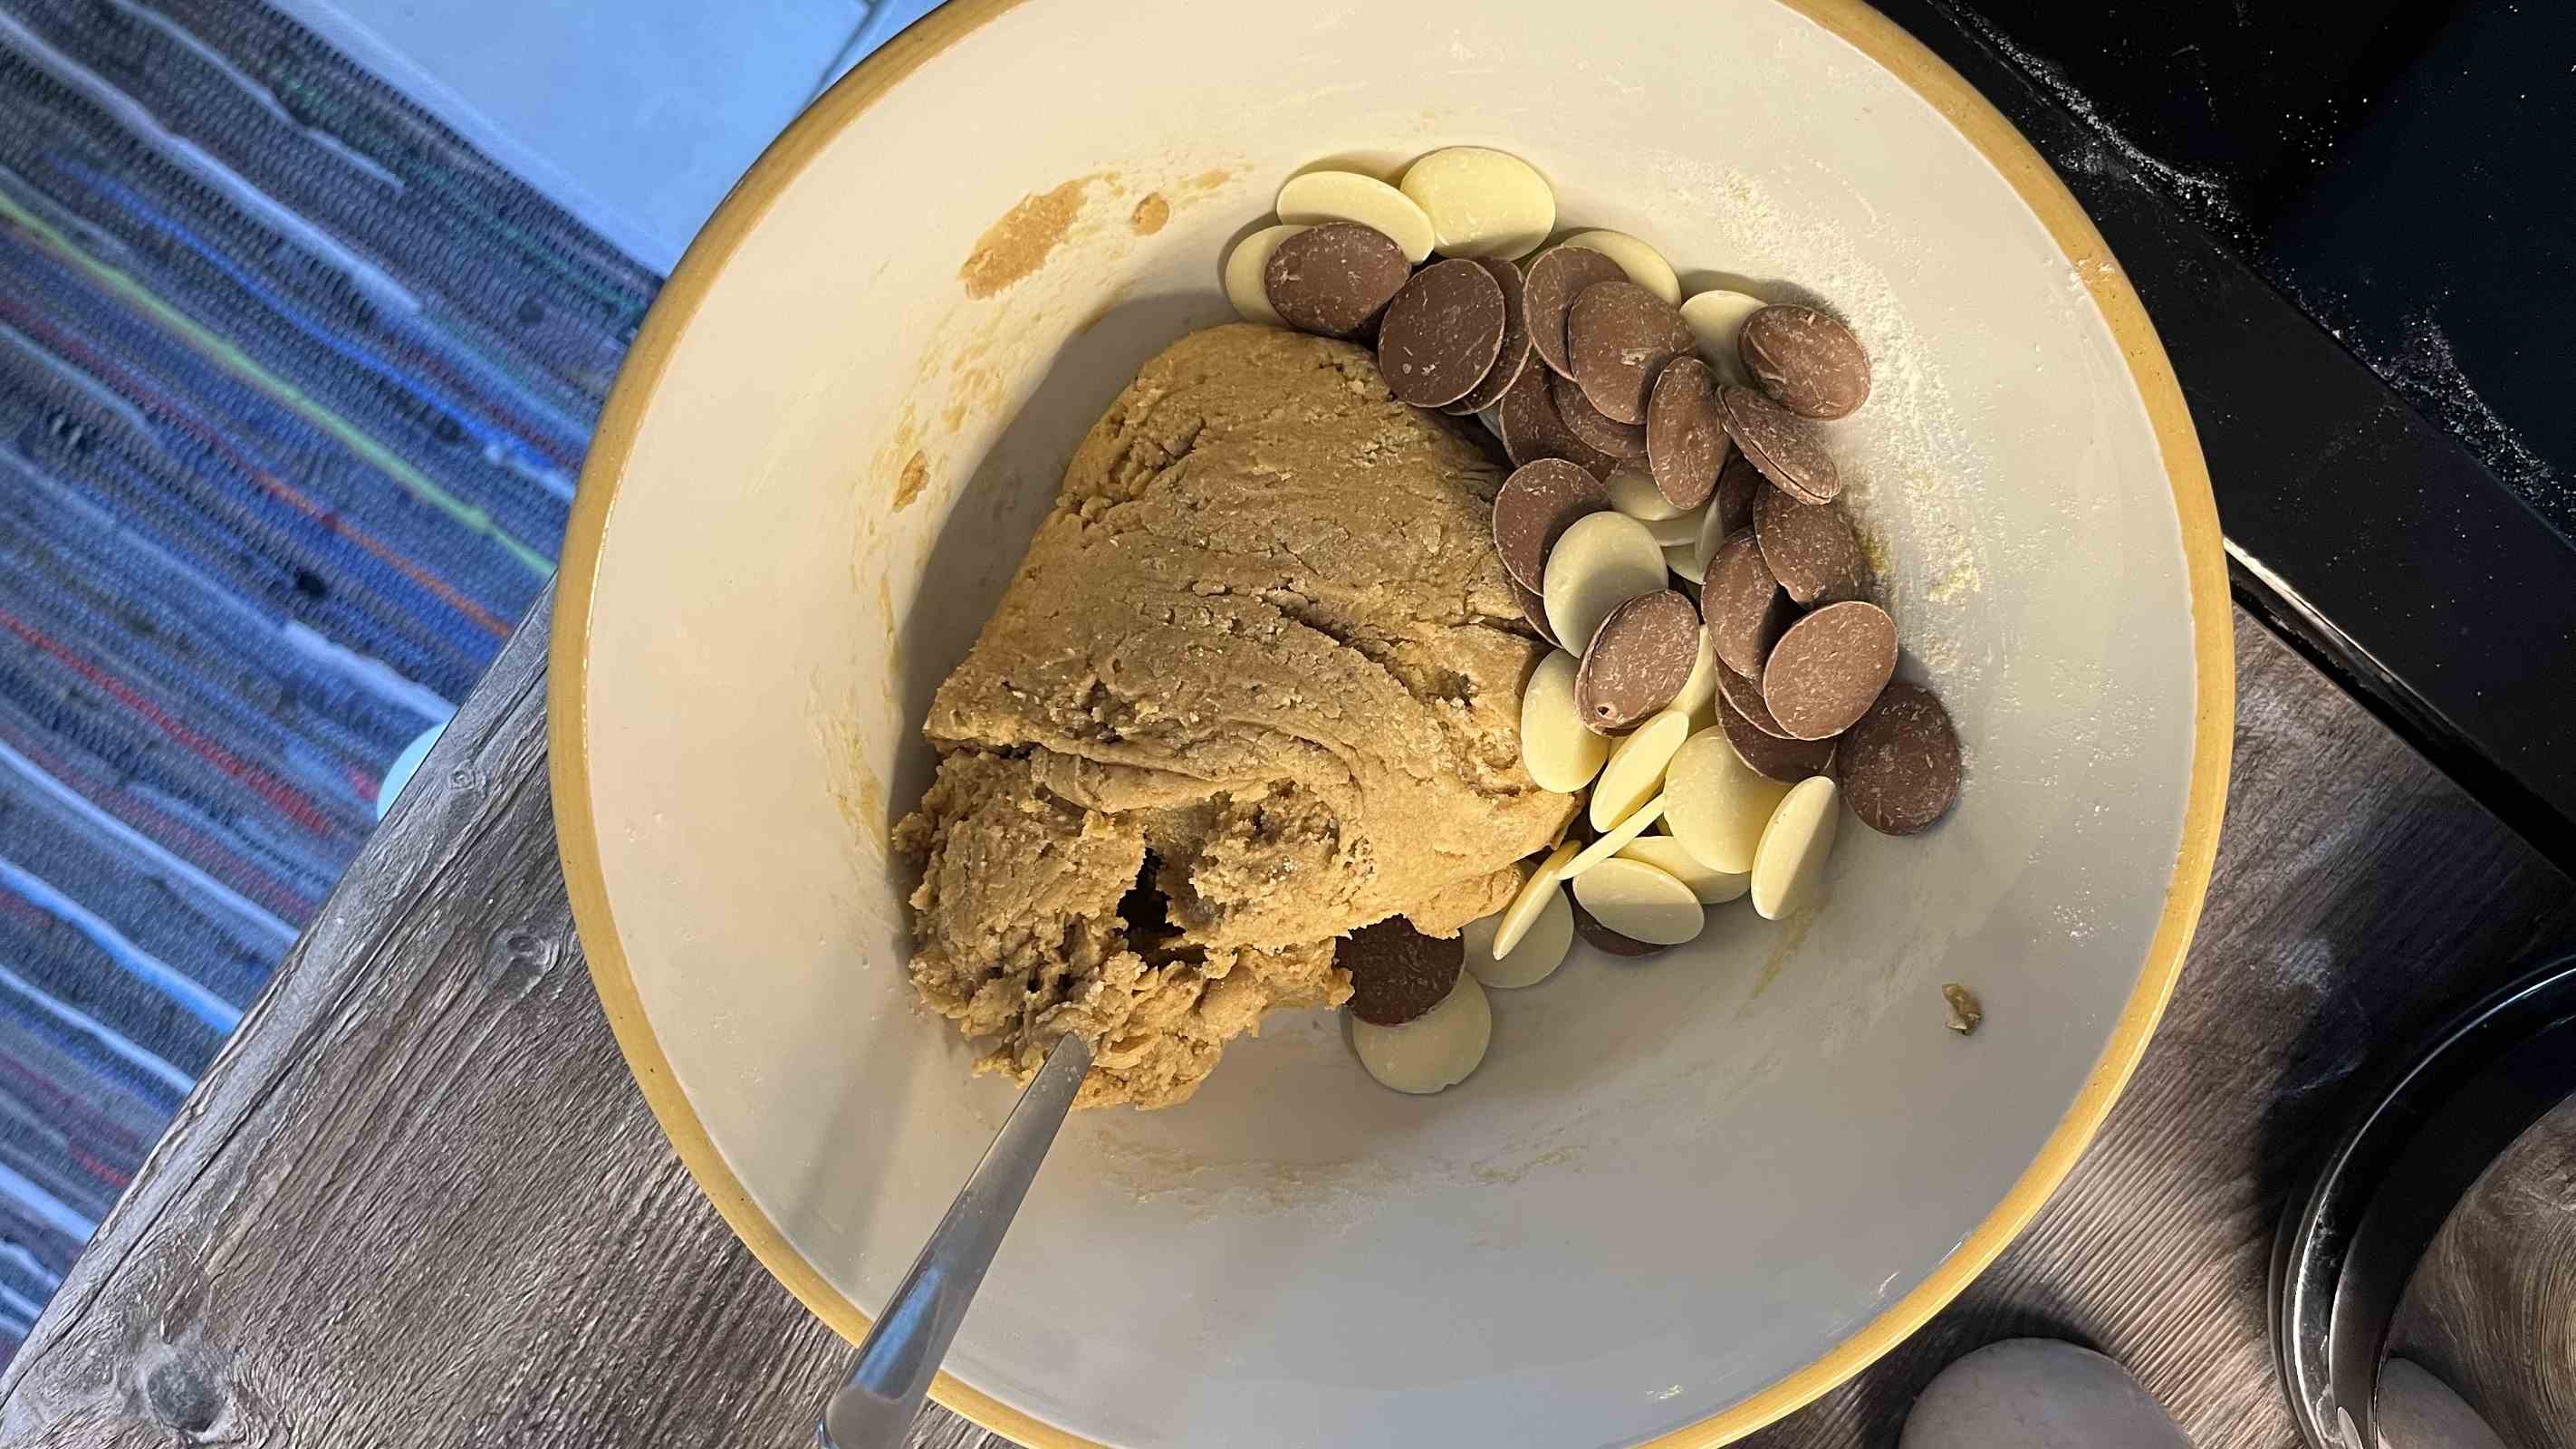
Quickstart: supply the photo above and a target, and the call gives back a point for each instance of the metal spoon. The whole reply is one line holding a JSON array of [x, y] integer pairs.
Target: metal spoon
[[875, 1408]]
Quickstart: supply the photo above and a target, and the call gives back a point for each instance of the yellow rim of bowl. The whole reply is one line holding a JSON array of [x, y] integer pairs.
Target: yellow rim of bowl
[[2213, 729]]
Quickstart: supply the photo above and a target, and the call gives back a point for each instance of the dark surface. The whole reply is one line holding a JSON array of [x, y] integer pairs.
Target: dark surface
[[2397, 168], [2378, 539]]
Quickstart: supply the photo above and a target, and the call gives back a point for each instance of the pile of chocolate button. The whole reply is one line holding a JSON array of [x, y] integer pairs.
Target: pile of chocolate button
[[1722, 682]]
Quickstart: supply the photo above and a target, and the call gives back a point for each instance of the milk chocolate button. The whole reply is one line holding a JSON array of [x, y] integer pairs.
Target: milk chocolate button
[[1771, 757], [1808, 362], [1556, 278], [1739, 486], [1624, 441], [1397, 973], [1828, 668], [1900, 764], [1602, 938], [1334, 278], [1618, 336], [1533, 608], [1744, 693], [1247, 270], [1780, 443], [1533, 429], [1810, 547], [1641, 263], [1638, 661], [1513, 353], [1441, 333], [1685, 436], [1745, 609], [1534, 507]]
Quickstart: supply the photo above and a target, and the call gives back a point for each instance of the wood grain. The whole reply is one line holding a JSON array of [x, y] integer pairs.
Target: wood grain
[[418, 1201]]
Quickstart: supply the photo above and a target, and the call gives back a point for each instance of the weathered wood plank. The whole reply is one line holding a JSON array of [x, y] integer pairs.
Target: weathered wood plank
[[418, 1201]]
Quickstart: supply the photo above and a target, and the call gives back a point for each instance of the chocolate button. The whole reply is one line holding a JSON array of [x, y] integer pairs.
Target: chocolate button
[[1602, 938], [1745, 608], [1618, 336], [1555, 280], [1808, 362], [1828, 668], [1810, 547], [1640, 657], [1768, 755], [1780, 443], [1513, 353], [1333, 278], [1535, 505], [1398, 973], [1623, 441], [1739, 485], [1533, 428], [1441, 333], [1534, 609], [1685, 436], [1744, 694], [1900, 763]]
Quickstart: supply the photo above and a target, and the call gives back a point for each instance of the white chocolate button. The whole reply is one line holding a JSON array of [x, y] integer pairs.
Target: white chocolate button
[[1557, 749], [1616, 838], [1716, 321], [1679, 532], [1244, 267], [1639, 902], [1320, 196], [1537, 955], [1717, 805], [1712, 537], [1701, 687], [1789, 864], [1523, 913], [1635, 772], [1684, 562], [1633, 492], [1436, 1050], [1601, 562], [1482, 203], [1712, 887], [1644, 265]]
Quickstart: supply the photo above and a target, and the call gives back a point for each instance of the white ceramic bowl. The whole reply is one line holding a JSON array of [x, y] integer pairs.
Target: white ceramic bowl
[[1680, 1199]]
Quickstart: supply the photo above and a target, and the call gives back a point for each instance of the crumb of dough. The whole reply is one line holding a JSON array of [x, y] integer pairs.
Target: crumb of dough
[[1256, 684], [1965, 1013]]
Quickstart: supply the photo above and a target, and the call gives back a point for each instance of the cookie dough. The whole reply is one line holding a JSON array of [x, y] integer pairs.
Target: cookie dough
[[1256, 684]]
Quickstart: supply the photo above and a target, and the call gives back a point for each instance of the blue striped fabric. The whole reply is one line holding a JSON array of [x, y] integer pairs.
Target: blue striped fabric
[[293, 387]]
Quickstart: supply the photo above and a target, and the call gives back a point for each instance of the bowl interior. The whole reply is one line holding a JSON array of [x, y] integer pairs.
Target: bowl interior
[[1669, 1185]]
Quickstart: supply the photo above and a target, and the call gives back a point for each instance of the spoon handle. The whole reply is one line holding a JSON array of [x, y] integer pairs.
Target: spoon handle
[[874, 1409]]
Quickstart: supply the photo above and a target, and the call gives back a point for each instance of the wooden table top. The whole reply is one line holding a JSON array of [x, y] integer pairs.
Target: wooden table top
[[418, 1200]]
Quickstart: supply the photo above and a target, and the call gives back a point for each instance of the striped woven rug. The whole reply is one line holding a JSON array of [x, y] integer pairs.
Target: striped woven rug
[[293, 387]]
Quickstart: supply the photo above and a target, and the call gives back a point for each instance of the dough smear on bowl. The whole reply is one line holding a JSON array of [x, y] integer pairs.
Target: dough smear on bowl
[[1256, 684]]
